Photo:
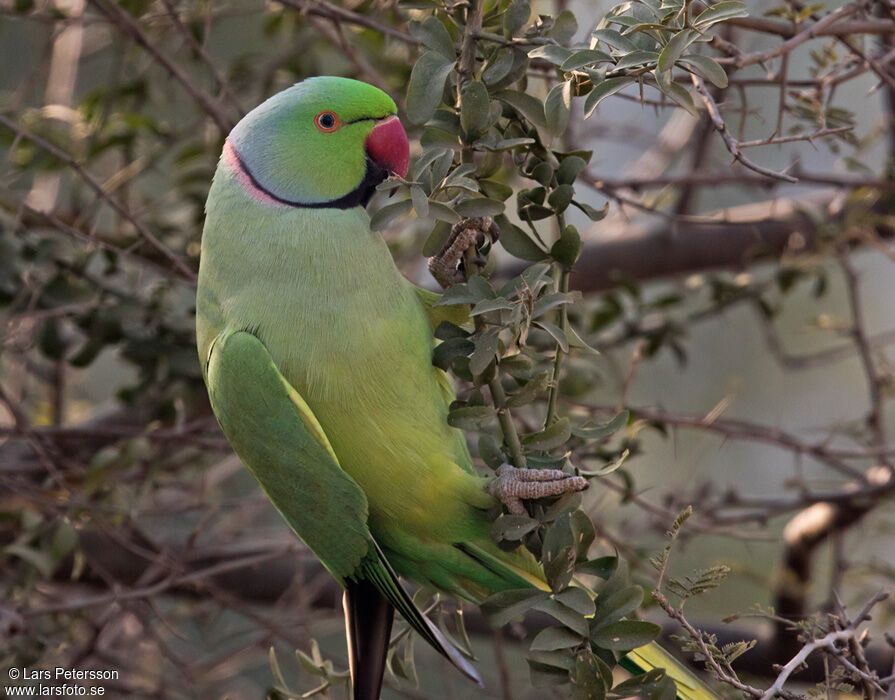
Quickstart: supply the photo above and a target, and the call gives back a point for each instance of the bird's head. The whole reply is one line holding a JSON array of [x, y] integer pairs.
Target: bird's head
[[324, 142]]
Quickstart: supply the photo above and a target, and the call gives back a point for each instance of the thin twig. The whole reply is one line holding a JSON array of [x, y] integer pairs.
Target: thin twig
[[732, 144], [129, 26], [91, 182]]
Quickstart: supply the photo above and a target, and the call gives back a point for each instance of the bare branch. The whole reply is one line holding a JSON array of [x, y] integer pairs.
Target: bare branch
[[91, 182], [733, 145], [129, 26]]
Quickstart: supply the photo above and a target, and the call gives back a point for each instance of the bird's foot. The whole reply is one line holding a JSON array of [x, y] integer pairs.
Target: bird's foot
[[511, 485], [448, 267]]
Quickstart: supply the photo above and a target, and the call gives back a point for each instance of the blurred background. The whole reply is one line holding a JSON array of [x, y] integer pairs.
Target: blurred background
[[744, 321]]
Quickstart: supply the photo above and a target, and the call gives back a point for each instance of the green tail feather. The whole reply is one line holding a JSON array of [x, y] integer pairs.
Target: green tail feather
[[651, 656], [641, 660]]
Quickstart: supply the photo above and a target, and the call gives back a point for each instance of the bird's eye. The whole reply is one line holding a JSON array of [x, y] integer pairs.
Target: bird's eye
[[327, 122]]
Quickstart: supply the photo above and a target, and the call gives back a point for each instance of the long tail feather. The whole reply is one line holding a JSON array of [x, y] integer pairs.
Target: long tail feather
[[651, 656], [381, 575], [368, 626]]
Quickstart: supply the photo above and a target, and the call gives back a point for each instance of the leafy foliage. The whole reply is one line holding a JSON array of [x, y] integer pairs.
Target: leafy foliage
[[486, 119]]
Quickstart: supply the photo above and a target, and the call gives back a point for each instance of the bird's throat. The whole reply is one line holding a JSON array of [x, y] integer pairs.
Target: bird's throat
[[359, 196]]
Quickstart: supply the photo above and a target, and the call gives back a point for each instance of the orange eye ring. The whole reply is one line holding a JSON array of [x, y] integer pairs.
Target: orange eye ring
[[327, 122]]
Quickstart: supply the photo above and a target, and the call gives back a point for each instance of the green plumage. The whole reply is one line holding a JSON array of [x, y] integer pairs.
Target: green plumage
[[318, 359], [352, 337]]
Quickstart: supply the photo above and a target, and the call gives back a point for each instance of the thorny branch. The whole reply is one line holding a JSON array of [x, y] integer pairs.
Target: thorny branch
[[733, 145]]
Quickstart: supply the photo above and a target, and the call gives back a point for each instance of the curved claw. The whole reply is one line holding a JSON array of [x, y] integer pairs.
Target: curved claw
[[511, 485]]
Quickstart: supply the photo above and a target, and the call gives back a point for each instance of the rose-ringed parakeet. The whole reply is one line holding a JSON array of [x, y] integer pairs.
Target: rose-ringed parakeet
[[317, 354]]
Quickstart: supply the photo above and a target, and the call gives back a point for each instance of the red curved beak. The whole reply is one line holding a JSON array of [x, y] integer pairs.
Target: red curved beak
[[387, 145]]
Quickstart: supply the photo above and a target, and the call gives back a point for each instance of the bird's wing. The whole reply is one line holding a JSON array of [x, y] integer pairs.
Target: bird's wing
[[278, 438], [457, 314], [651, 656]]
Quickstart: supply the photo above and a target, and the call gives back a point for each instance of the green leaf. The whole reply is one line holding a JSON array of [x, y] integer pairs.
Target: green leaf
[[557, 55], [577, 599], [597, 431], [564, 614], [587, 681], [433, 35], [666, 690], [554, 435], [448, 351], [533, 388], [517, 242], [496, 190], [720, 12], [382, 218], [516, 17], [576, 341], [506, 606], [426, 85], [543, 173], [555, 332], [676, 92], [559, 570], [420, 201], [569, 169], [480, 287], [474, 108], [587, 57], [626, 635], [485, 349], [490, 451], [554, 638], [530, 107], [568, 247], [602, 567], [442, 212], [564, 27], [559, 535], [642, 686], [583, 533], [489, 305], [507, 144], [707, 67], [479, 206], [557, 108], [551, 300], [593, 214], [534, 212], [38, 559], [65, 539], [447, 330], [602, 90], [609, 468], [614, 39], [471, 417], [637, 58], [429, 156], [309, 664], [675, 48], [512, 527], [616, 606], [554, 661], [663, 30], [499, 66]]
